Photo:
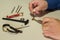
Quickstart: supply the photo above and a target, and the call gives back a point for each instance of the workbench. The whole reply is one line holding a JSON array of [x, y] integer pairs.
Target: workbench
[[33, 32]]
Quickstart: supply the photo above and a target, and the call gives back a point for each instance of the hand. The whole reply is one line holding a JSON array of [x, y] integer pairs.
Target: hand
[[51, 28], [36, 6]]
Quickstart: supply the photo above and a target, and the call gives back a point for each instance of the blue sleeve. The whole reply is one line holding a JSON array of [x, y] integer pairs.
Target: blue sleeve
[[53, 4]]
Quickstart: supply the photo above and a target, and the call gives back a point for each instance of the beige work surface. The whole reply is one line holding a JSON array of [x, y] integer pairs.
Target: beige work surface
[[33, 32]]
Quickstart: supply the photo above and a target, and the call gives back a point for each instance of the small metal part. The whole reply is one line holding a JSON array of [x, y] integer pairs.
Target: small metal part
[[19, 9], [39, 21], [22, 27], [14, 30], [25, 22], [21, 14], [33, 18], [33, 15], [13, 9], [22, 19]]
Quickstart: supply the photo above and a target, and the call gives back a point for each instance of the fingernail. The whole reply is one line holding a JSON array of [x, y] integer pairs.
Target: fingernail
[[34, 10], [37, 12]]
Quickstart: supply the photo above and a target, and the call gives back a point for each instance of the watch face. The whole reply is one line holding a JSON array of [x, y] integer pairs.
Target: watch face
[[16, 23]]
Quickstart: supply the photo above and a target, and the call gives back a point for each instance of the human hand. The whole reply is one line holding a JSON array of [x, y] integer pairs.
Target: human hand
[[36, 6], [51, 28]]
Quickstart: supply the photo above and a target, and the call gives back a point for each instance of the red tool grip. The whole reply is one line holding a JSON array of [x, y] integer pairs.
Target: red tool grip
[[14, 15]]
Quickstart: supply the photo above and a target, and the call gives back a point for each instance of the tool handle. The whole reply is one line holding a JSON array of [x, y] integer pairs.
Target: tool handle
[[14, 15]]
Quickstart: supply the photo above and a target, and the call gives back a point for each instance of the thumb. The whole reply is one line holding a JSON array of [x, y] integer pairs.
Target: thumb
[[36, 10], [46, 20]]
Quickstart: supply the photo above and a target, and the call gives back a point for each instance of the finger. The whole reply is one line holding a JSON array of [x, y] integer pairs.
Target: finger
[[45, 27], [32, 5], [37, 10], [50, 35], [35, 4], [46, 20], [45, 23], [49, 19], [40, 7]]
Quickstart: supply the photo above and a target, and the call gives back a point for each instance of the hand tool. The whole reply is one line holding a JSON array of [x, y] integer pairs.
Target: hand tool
[[15, 15], [22, 21], [13, 9], [14, 30]]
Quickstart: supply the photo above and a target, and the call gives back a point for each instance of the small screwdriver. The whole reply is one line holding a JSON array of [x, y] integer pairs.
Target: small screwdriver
[[15, 15]]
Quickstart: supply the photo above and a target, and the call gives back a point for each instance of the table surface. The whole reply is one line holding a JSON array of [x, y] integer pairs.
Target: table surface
[[33, 32]]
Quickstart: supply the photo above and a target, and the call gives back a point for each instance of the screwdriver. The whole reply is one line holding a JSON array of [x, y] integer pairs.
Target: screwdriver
[[15, 15]]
